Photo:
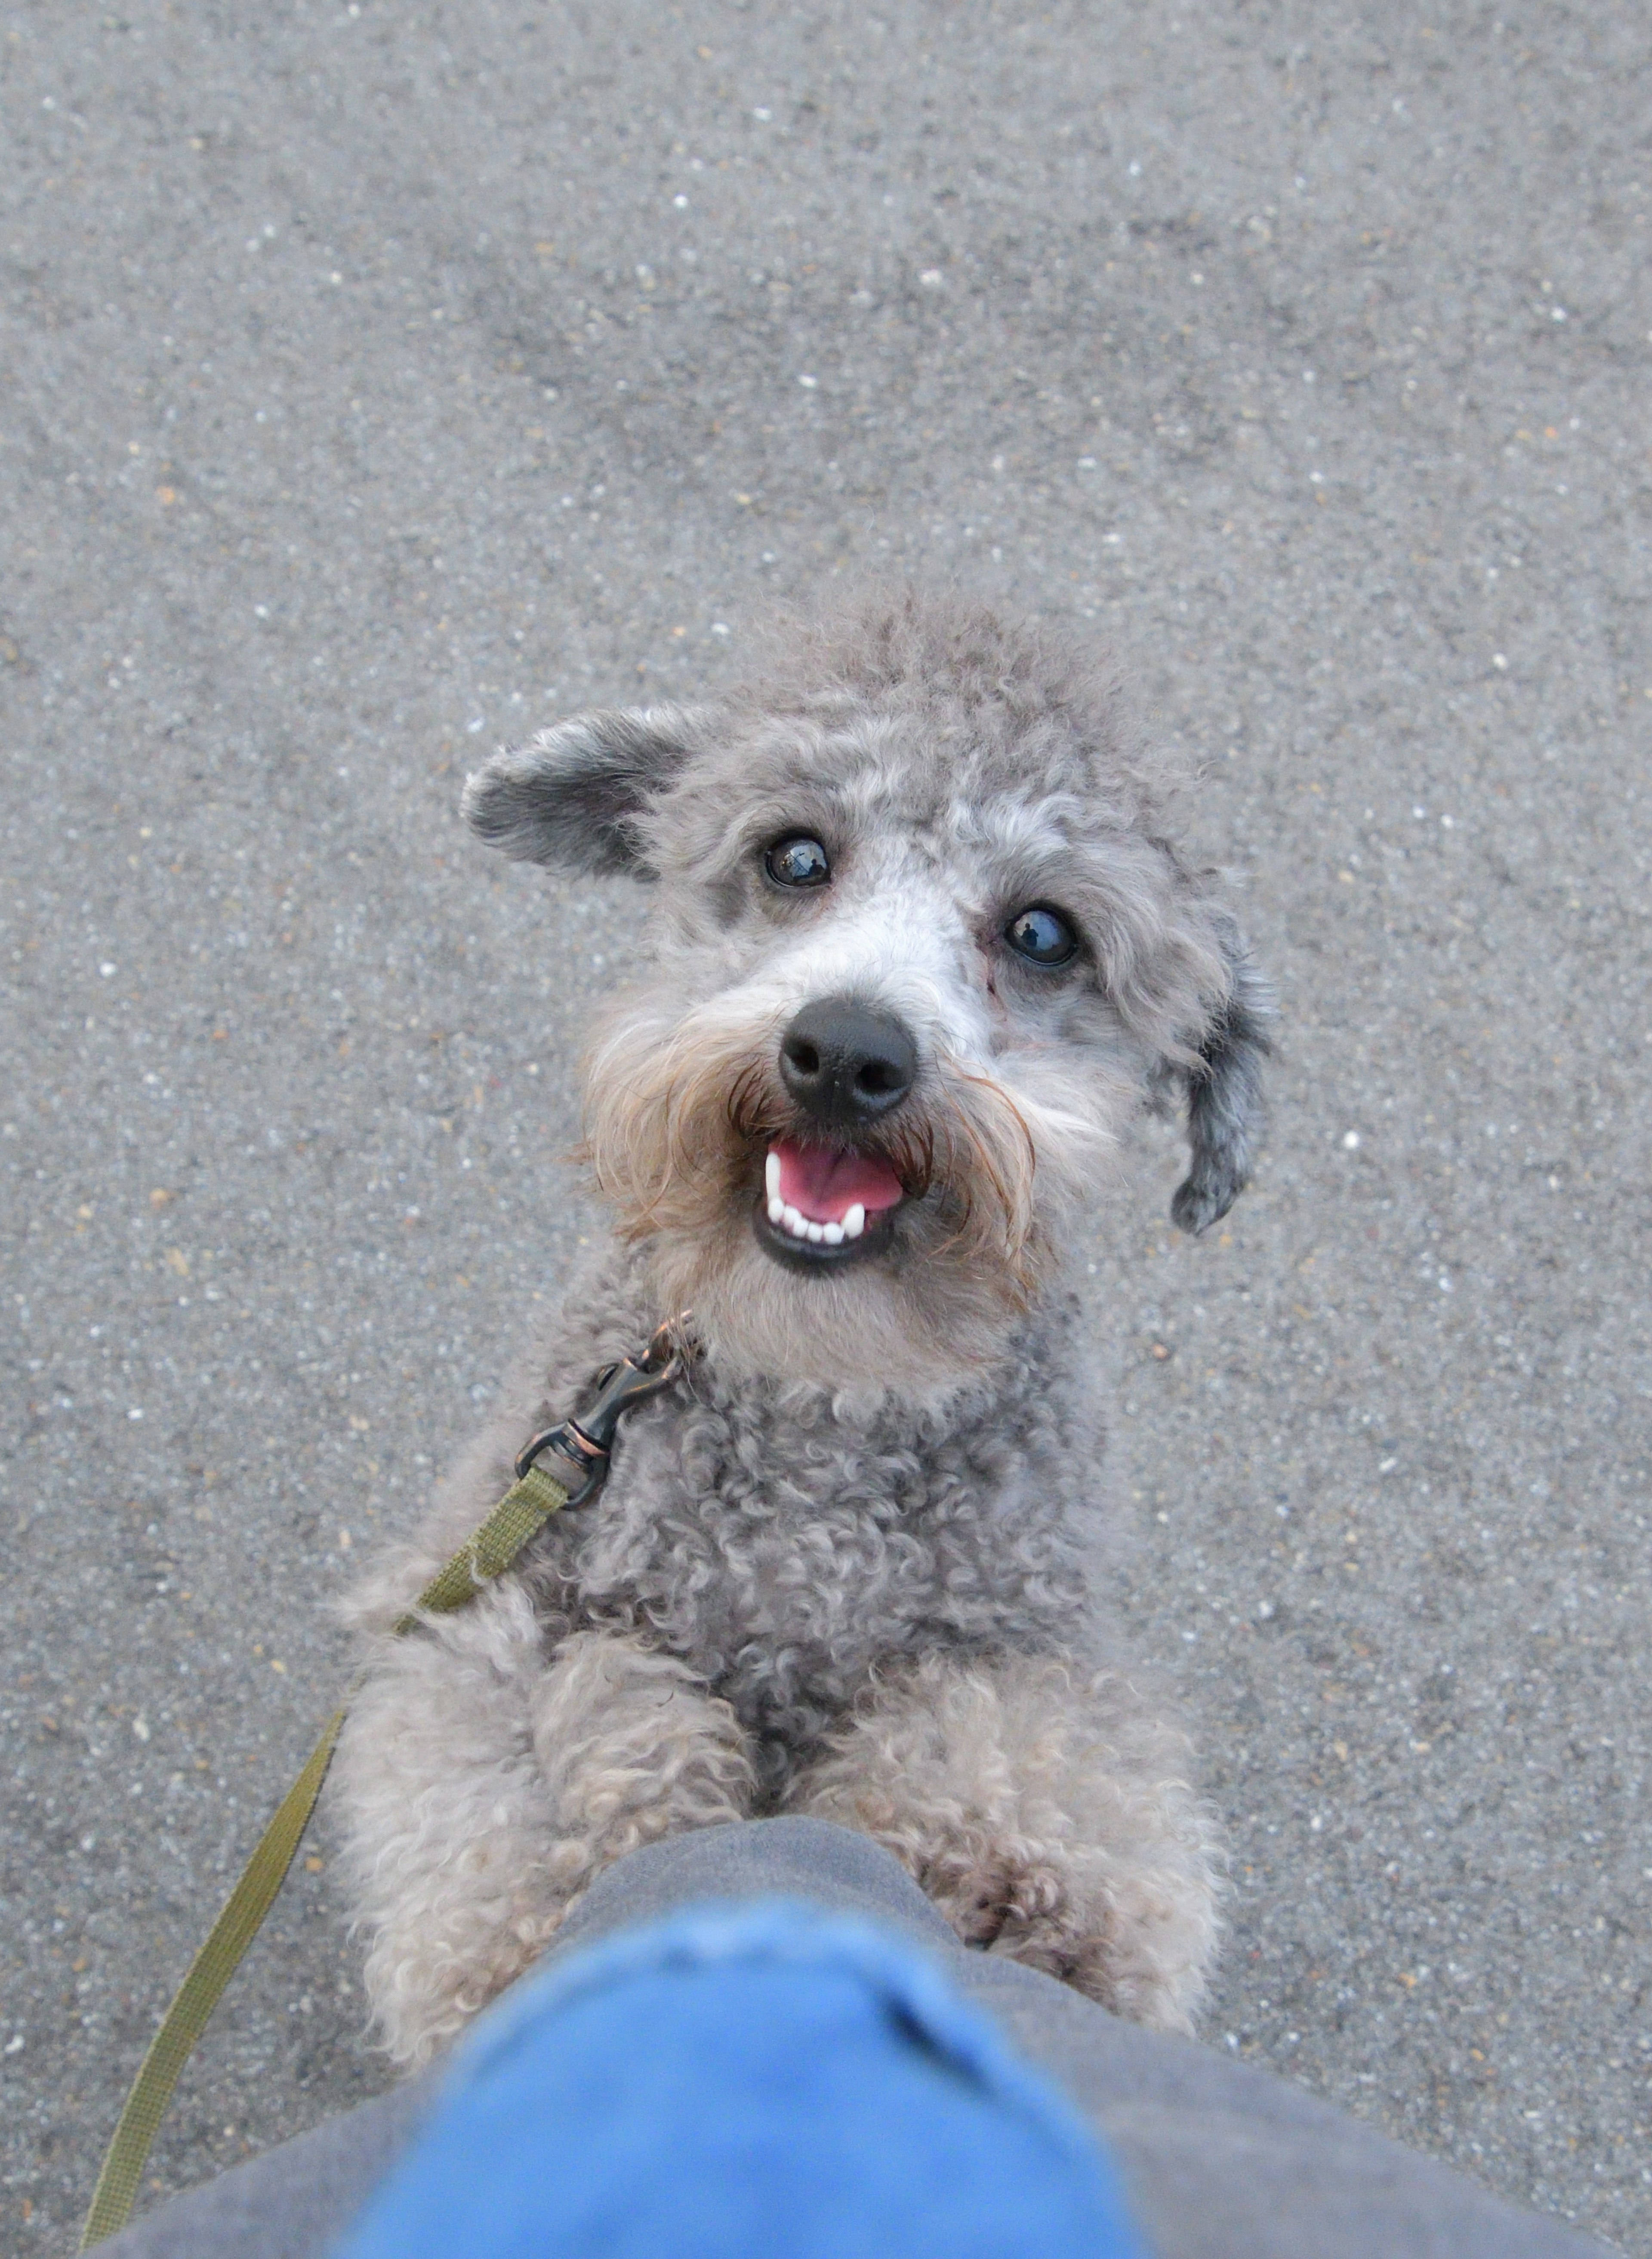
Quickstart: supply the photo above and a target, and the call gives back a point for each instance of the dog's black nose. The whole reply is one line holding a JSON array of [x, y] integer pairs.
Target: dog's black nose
[[845, 1063]]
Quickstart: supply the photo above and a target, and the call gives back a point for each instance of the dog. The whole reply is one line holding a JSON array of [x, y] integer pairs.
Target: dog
[[916, 933]]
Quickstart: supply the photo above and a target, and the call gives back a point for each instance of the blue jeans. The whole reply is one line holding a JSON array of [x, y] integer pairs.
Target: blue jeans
[[744, 2082]]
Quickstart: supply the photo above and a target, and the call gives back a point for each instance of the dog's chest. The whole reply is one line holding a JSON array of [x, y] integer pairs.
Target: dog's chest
[[783, 1555]]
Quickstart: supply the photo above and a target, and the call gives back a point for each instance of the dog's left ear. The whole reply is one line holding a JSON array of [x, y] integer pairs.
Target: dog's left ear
[[573, 795], [1224, 1093]]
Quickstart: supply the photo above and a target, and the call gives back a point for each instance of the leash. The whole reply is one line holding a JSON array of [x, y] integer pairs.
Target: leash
[[577, 1453]]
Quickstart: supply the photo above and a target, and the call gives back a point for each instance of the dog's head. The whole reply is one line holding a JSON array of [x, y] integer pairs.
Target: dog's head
[[921, 937]]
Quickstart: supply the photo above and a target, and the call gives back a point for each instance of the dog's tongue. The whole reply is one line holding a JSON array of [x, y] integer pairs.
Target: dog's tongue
[[823, 1185]]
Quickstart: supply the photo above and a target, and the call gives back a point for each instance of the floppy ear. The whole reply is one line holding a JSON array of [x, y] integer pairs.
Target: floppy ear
[[573, 794], [1224, 1094]]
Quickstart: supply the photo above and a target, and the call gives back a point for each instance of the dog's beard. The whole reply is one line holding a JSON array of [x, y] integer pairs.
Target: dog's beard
[[681, 1112]]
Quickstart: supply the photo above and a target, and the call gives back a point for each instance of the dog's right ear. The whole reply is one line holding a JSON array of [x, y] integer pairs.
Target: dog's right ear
[[1224, 1092], [573, 795]]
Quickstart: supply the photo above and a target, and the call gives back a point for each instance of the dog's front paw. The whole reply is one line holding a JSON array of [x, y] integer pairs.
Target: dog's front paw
[[1048, 1821], [993, 1897], [1135, 1941]]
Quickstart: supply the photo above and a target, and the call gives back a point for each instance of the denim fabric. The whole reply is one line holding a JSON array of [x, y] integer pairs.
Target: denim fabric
[[740, 2082]]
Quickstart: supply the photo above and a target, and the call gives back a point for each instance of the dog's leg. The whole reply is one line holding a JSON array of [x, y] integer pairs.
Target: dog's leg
[[631, 1747], [1045, 1813], [482, 1786]]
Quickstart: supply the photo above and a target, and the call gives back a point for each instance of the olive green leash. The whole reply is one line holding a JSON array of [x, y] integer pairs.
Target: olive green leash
[[578, 1450]]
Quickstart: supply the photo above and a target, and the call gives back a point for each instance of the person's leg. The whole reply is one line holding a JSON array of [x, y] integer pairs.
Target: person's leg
[[296, 2200], [1217, 2158], [762, 2080]]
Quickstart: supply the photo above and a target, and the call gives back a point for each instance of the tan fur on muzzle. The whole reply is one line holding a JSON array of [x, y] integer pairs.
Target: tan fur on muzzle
[[680, 1114]]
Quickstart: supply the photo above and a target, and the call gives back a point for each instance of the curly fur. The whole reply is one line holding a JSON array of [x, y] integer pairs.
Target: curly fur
[[1046, 1813], [855, 1563]]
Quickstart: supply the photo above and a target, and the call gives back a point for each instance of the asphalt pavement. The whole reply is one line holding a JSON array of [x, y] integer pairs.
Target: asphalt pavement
[[380, 382]]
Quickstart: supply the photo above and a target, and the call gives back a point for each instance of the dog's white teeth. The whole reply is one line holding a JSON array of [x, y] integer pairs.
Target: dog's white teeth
[[798, 1226], [772, 1182]]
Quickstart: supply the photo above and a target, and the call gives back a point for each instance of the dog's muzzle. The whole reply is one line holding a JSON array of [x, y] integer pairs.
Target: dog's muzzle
[[825, 1199]]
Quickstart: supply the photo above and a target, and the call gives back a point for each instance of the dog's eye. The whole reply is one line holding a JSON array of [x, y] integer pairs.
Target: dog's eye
[[1042, 935], [798, 862]]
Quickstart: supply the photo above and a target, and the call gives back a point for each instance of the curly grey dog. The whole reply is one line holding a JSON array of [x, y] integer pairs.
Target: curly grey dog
[[922, 935]]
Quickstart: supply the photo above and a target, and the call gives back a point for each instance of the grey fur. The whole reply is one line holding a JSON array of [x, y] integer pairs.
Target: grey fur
[[1224, 1096], [856, 1562], [572, 794]]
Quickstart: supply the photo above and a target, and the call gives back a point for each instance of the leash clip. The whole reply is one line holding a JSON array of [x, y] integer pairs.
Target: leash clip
[[584, 1442]]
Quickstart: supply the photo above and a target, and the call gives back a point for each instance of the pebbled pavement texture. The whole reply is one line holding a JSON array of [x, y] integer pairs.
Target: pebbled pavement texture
[[382, 380]]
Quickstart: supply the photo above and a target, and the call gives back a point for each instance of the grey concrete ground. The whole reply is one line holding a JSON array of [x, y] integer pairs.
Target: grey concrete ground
[[382, 380]]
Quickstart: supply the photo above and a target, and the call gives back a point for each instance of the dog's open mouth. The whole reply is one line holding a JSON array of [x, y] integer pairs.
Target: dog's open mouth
[[819, 1206]]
